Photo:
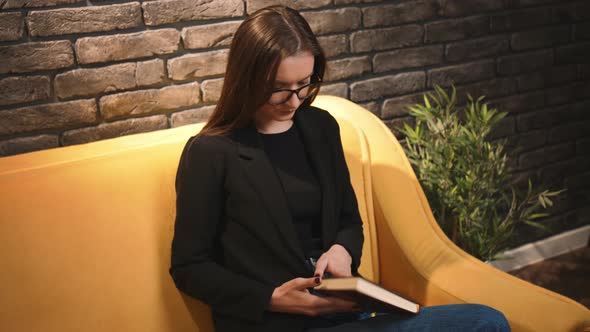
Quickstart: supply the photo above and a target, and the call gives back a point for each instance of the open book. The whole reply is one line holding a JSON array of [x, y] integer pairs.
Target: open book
[[369, 296]]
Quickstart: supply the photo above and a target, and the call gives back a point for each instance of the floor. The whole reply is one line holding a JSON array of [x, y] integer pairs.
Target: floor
[[568, 274]]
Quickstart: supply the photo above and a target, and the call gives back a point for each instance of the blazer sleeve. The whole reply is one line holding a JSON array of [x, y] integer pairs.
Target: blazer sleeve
[[200, 200], [350, 233]]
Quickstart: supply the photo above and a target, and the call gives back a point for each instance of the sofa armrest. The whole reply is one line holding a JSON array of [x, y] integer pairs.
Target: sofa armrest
[[418, 261]]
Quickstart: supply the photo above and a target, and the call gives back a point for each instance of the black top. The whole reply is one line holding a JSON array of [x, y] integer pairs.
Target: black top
[[287, 154]]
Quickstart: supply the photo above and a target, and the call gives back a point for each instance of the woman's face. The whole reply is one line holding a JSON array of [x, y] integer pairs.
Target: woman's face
[[293, 72]]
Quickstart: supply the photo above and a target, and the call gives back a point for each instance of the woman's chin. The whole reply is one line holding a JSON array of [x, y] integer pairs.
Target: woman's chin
[[285, 115]]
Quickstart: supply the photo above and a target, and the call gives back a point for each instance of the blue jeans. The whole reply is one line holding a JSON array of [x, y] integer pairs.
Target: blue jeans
[[452, 317]]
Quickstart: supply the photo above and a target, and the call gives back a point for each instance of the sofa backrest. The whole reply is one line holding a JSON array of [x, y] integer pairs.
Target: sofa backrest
[[85, 234]]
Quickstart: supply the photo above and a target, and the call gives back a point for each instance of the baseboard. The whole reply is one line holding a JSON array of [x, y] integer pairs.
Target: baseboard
[[538, 251]]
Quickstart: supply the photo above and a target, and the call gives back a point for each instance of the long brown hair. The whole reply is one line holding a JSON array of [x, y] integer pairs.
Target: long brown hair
[[265, 38]]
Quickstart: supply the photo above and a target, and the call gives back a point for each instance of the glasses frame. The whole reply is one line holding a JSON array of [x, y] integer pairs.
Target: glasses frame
[[294, 91]]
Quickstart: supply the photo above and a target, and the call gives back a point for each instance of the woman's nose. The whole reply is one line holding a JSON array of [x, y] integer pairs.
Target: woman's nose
[[294, 101]]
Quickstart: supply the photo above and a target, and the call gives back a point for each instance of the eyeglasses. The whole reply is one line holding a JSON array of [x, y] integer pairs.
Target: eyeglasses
[[281, 96]]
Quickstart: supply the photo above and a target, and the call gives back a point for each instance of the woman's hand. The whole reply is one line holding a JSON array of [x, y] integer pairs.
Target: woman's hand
[[336, 261], [293, 297]]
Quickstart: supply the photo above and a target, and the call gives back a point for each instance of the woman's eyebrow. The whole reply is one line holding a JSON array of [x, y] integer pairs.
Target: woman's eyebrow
[[287, 83]]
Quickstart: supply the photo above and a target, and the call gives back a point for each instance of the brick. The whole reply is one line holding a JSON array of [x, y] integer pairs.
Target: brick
[[93, 81], [386, 86], [532, 120], [455, 29], [16, 90], [347, 68], [524, 3], [127, 46], [579, 182], [583, 147], [547, 78], [582, 161], [571, 12], [408, 58], [546, 155], [524, 62], [452, 8], [532, 140], [579, 111], [556, 171], [28, 144], [573, 53], [520, 19], [581, 10], [372, 107], [48, 116], [212, 90], [337, 89], [334, 45], [582, 31], [477, 48], [66, 21], [497, 87], [334, 20], [582, 214], [582, 90], [398, 107], [408, 12], [540, 38], [560, 95], [115, 129], [388, 38], [462, 73], [254, 5], [197, 65], [149, 101], [11, 26], [519, 103], [504, 127], [346, 2], [173, 11], [191, 116], [36, 56], [551, 117], [210, 35], [569, 132], [8, 4]]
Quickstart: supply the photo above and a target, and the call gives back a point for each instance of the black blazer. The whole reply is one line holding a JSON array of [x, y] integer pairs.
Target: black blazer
[[234, 240]]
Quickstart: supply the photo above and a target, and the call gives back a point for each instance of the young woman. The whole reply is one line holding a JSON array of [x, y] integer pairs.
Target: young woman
[[265, 207]]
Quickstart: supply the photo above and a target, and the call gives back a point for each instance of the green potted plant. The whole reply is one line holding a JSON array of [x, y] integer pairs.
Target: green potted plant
[[466, 177]]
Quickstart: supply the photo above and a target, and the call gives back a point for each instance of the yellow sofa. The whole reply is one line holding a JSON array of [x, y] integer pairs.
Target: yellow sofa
[[85, 236]]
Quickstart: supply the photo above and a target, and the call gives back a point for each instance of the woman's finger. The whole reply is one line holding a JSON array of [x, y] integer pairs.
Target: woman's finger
[[334, 304], [320, 266], [300, 283]]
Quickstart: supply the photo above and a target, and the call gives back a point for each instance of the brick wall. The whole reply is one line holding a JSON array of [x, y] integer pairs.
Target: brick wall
[[76, 71]]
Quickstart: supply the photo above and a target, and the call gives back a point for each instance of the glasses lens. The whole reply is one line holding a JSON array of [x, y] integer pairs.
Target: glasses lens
[[305, 92], [279, 97]]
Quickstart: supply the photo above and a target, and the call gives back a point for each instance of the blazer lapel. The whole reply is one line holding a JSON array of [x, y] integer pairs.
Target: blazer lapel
[[261, 174]]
